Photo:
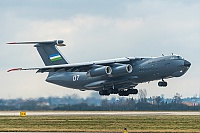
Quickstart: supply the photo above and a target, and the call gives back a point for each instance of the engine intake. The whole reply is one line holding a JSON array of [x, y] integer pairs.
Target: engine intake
[[121, 69], [99, 71]]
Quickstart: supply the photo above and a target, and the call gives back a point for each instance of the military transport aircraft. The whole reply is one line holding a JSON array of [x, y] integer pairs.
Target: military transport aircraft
[[115, 76]]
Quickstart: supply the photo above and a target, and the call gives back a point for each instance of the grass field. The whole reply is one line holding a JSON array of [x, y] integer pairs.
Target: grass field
[[101, 123]]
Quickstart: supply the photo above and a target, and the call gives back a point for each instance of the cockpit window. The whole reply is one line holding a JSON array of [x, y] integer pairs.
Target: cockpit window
[[176, 57]]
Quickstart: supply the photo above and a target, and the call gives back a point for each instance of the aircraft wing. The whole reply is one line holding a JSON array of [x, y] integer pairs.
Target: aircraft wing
[[79, 67]]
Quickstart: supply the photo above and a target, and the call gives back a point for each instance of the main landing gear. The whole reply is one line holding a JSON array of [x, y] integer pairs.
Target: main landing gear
[[129, 91], [104, 93], [162, 83], [121, 93]]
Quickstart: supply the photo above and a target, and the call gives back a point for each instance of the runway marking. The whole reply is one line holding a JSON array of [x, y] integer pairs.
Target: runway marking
[[91, 113]]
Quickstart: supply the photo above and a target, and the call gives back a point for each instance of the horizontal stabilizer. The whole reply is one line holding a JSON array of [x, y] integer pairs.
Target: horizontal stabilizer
[[19, 69], [14, 69], [56, 42]]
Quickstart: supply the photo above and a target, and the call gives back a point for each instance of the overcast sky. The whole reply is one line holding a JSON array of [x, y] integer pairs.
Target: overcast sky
[[95, 30]]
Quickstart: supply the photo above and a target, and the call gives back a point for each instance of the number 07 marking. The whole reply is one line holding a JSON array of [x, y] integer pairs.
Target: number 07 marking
[[75, 77]]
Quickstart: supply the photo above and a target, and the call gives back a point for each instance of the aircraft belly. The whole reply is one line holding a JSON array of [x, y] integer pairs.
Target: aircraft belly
[[109, 82]]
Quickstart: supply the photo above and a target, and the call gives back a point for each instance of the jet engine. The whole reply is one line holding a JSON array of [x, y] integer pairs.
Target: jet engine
[[121, 69], [99, 71]]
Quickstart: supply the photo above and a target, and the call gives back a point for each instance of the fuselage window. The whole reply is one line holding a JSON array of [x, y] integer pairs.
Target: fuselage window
[[176, 58]]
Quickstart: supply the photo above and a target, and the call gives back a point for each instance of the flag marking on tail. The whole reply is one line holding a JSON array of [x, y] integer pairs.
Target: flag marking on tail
[[55, 57]]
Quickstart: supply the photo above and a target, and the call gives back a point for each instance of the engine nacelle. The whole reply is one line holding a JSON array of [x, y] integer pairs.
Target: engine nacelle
[[121, 69], [99, 71]]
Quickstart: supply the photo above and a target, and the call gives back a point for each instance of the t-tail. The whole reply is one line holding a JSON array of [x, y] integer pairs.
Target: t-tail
[[48, 51]]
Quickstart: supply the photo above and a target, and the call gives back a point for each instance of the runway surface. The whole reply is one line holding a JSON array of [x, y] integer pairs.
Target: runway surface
[[91, 113]]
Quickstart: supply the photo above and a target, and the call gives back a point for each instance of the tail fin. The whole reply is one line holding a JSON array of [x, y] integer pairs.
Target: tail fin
[[48, 51]]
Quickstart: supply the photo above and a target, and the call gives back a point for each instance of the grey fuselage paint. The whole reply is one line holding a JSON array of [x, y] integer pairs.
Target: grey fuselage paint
[[144, 70]]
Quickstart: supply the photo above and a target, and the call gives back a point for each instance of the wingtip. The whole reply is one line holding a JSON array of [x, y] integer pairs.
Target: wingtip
[[61, 44], [11, 43], [14, 69]]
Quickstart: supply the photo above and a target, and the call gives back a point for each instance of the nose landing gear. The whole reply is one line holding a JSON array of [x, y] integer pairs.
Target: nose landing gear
[[162, 83]]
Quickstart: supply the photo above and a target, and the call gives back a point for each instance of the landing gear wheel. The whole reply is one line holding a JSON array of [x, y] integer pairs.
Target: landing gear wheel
[[129, 91], [104, 93], [114, 91], [123, 93], [162, 84], [133, 91]]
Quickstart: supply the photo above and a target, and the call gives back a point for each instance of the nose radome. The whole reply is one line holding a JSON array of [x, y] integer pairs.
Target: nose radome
[[187, 63]]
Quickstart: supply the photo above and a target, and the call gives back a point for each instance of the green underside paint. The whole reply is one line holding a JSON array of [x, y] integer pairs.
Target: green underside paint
[[55, 59]]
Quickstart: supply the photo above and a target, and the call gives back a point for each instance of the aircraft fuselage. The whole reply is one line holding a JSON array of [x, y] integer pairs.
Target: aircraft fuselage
[[144, 70]]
